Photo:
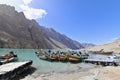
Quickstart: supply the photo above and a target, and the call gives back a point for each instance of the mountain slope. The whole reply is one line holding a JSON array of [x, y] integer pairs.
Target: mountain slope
[[18, 32], [64, 40], [113, 46]]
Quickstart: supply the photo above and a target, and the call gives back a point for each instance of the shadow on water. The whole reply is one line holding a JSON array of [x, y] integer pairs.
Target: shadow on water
[[22, 75]]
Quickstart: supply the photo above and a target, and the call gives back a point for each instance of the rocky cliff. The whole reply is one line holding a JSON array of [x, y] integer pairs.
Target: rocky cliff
[[64, 40], [18, 32]]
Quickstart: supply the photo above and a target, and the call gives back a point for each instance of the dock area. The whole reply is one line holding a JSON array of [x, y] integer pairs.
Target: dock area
[[102, 62], [10, 70]]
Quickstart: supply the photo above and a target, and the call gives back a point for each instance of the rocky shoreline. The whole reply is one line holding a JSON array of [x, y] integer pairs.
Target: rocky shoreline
[[94, 73], [70, 74]]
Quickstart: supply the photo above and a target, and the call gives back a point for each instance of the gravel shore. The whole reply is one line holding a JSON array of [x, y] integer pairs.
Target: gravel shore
[[96, 73]]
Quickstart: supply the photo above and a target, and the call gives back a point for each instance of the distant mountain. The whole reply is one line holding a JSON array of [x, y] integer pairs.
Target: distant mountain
[[85, 45], [18, 32]]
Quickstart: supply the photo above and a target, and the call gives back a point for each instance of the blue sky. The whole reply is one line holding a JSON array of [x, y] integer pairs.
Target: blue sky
[[93, 21]]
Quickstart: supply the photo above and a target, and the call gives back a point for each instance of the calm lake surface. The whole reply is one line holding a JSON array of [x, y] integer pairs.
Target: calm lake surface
[[44, 66]]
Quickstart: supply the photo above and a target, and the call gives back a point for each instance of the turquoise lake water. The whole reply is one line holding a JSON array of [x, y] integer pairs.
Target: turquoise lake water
[[41, 65]]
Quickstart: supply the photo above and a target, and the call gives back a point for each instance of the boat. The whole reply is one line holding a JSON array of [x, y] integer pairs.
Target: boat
[[6, 59], [43, 56], [105, 53], [38, 53], [63, 58], [53, 57], [102, 52], [74, 58]]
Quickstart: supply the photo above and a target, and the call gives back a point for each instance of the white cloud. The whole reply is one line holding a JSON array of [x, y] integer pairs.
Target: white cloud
[[23, 5], [27, 1], [32, 13]]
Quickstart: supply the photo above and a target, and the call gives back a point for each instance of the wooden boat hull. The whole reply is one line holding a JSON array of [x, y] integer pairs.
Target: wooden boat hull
[[3, 61], [74, 60], [62, 58], [53, 57], [77, 57], [43, 57], [99, 52]]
